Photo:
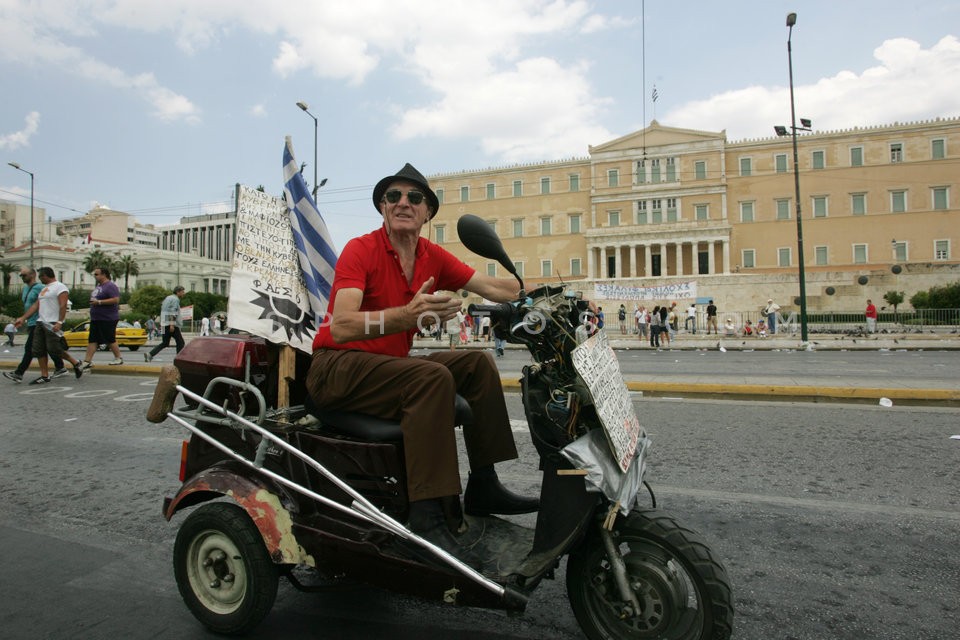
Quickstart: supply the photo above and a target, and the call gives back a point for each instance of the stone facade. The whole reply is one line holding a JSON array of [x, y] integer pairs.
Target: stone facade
[[667, 205]]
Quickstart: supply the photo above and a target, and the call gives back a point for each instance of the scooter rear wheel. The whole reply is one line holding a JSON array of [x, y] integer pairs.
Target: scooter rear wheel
[[222, 568], [683, 591]]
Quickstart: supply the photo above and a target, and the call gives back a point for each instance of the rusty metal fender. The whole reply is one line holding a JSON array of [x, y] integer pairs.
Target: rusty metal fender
[[259, 497]]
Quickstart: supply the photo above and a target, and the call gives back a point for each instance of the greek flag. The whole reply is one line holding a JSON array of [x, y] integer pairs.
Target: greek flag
[[655, 95], [314, 246]]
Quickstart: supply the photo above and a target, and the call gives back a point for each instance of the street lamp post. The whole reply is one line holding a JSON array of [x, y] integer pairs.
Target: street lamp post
[[805, 125], [19, 168], [306, 110]]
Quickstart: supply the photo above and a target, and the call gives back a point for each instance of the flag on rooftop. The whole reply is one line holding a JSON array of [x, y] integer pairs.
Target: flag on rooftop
[[314, 246], [655, 94]]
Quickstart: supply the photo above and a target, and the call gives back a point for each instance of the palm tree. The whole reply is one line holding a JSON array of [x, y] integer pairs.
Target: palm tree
[[127, 265], [96, 258], [7, 269]]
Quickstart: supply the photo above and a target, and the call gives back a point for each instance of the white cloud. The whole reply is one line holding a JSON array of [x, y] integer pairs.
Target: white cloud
[[35, 35], [258, 111], [17, 139], [910, 83]]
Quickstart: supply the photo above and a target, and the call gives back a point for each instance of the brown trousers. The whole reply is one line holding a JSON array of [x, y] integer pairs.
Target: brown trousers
[[419, 392]]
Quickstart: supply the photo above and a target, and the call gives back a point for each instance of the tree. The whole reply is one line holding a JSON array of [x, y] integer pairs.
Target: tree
[[97, 258], [894, 298], [7, 269], [147, 300], [128, 266], [945, 297]]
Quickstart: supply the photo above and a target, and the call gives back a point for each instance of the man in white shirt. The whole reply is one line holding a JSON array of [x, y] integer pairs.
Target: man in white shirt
[[51, 310]]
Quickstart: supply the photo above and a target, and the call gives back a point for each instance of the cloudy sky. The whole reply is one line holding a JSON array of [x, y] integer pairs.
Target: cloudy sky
[[158, 107]]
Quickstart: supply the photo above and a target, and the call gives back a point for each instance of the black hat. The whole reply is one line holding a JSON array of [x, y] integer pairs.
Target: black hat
[[409, 174]]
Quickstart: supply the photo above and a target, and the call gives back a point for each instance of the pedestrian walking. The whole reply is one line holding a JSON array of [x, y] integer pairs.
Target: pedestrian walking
[[104, 315], [172, 321], [643, 321], [51, 310], [10, 331], [28, 295], [205, 326], [151, 328], [622, 319], [691, 318], [871, 316], [712, 318]]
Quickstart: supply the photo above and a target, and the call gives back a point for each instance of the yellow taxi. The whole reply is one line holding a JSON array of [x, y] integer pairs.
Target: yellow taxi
[[127, 336]]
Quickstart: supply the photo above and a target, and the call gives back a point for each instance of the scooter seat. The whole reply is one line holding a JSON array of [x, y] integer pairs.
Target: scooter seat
[[372, 429]]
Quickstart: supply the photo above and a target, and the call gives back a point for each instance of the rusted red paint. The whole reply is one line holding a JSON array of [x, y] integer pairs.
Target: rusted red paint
[[262, 505]]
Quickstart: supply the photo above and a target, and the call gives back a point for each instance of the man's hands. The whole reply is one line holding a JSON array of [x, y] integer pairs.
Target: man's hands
[[426, 308]]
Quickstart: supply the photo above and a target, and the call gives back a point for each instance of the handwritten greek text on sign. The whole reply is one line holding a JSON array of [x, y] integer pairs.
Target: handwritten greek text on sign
[[597, 365], [267, 294]]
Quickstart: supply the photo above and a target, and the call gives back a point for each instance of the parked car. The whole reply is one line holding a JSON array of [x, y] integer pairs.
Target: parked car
[[127, 336]]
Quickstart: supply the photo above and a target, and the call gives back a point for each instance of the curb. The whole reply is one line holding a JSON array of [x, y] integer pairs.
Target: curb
[[948, 397]]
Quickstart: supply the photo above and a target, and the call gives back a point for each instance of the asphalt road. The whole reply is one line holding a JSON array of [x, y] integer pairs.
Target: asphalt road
[[834, 521]]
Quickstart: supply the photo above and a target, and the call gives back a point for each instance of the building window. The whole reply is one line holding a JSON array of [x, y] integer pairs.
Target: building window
[[939, 198], [896, 152], [749, 258], [820, 206], [783, 209], [938, 149], [440, 233], [941, 249], [898, 201], [700, 169], [655, 170], [491, 191], [492, 269], [702, 211], [900, 251], [546, 226], [657, 211], [518, 267], [641, 172], [672, 210], [517, 188], [780, 161], [464, 194], [574, 182], [575, 269], [859, 254], [746, 166], [575, 224], [613, 177], [746, 212], [544, 186], [671, 169], [856, 156], [858, 204], [546, 268], [783, 256], [818, 160], [613, 218], [642, 212], [518, 228], [820, 255], [493, 225]]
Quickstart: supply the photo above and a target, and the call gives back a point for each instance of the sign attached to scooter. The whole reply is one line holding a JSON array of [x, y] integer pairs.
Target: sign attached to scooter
[[597, 365]]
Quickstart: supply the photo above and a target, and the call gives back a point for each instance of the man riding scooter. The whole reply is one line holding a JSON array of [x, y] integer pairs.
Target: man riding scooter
[[383, 292]]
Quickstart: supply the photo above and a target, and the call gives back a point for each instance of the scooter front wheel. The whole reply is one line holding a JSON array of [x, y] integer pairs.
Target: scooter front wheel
[[682, 590], [222, 568]]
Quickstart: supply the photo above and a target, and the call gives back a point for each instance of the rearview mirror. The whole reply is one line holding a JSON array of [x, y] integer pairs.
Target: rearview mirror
[[477, 236]]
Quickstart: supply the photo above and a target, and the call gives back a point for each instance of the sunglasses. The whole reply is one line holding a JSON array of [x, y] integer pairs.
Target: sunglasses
[[413, 197]]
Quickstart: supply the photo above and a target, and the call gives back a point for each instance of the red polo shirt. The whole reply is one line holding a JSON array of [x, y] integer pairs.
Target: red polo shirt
[[370, 263]]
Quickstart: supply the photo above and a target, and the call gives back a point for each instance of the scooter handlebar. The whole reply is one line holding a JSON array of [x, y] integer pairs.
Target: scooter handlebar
[[502, 311]]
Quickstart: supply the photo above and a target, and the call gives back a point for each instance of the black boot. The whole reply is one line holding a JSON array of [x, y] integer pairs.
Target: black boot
[[440, 521], [485, 496]]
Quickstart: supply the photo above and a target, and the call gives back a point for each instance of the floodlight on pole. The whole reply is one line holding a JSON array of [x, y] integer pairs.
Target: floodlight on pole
[[19, 168], [306, 109], [805, 125]]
